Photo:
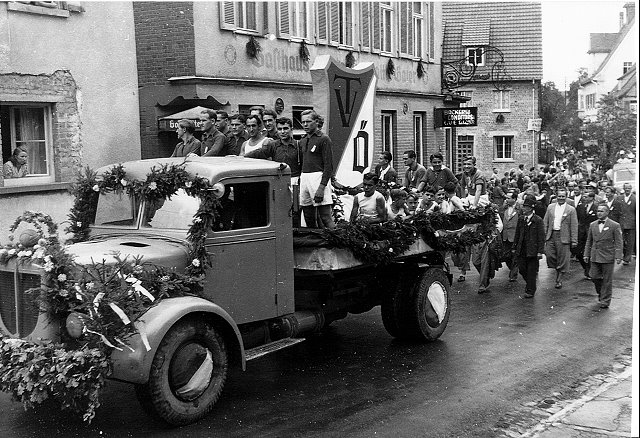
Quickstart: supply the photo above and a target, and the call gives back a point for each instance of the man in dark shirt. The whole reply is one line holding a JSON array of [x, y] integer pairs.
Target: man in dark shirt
[[212, 139], [233, 144], [222, 123], [317, 169], [285, 150], [269, 120], [189, 145], [437, 176]]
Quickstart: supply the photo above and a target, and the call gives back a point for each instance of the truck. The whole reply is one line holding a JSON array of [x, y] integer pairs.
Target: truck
[[263, 292]]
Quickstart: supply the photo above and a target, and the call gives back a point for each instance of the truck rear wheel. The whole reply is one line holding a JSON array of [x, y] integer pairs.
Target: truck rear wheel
[[187, 374], [431, 305]]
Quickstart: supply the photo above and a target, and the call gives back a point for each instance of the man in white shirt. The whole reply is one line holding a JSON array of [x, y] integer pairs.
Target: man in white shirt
[[561, 234]]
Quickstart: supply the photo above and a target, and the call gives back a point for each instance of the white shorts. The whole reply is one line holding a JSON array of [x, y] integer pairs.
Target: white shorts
[[309, 183]]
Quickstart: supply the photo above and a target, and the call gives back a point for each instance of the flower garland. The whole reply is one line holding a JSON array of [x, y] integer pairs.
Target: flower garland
[[99, 301]]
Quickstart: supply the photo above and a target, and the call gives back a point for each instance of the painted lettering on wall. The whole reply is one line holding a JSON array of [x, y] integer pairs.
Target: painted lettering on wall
[[280, 60]]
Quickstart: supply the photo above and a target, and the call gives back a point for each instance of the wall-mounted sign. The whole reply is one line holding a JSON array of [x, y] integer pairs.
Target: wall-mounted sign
[[452, 117], [534, 125], [172, 125], [279, 106]]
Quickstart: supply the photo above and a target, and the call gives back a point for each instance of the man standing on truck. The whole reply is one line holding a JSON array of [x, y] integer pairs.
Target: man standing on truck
[[317, 169], [212, 139], [285, 150]]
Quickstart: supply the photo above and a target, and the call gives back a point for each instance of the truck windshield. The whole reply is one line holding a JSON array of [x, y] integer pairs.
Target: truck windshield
[[176, 213], [116, 209]]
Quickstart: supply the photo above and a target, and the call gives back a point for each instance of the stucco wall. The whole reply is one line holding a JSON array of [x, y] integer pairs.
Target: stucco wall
[[97, 47]]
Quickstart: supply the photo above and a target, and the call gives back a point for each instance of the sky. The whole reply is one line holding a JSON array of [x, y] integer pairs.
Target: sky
[[566, 26]]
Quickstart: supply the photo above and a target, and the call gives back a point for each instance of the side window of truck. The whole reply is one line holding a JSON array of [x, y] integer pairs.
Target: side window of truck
[[244, 205]]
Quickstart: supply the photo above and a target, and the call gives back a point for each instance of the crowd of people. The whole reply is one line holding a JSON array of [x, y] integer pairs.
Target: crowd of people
[[563, 211]]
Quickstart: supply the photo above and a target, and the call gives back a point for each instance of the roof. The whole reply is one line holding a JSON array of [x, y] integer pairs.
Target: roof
[[212, 168], [192, 113], [626, 86], [515, 28], [620, 37], [602, 42]]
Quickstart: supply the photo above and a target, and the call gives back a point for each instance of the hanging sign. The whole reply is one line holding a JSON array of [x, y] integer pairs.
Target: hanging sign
[[453, 117], [534, 125]]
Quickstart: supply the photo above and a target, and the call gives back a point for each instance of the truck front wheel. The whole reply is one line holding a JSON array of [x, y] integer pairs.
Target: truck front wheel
[[431, 305], [187, 374]]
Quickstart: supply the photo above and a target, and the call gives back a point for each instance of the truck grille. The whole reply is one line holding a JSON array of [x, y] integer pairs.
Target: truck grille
[[18, 311]]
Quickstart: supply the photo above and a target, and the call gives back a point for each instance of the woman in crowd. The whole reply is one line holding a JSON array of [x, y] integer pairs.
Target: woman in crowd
[[17, 166]]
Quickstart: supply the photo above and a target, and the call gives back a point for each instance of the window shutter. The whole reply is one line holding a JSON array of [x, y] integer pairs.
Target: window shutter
[[376, 26], [322, 23], [334, 23], [365, 23], [432, 47], [410, 26], [227, 16], [284, 28], [507, 103]]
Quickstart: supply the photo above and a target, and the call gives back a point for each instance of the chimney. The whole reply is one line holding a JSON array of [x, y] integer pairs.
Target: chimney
[[631, 11]]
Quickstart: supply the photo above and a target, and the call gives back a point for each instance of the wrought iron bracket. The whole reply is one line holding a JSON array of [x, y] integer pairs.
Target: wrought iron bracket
[[459, 73]]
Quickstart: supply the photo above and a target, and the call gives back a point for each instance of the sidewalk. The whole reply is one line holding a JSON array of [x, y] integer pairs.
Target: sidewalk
[[603, 411]]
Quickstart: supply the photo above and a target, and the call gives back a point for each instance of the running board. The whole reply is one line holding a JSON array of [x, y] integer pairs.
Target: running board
[[271, 347]]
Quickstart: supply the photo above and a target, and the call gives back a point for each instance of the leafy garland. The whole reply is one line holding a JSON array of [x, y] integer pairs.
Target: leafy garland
[[101, 299]]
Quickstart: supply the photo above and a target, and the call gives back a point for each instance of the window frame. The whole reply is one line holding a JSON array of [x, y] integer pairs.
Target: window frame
[[497, 146], [499, 97], [36, 179], [387, 23], [473, 52], [419, 118], [292, 9], [626, 66], [231, 23], [391, 146]]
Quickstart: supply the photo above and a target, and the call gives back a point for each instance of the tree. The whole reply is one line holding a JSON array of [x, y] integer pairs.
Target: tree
[[614, 129]]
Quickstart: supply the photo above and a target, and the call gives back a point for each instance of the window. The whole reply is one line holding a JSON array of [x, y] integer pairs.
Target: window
[[412, 25], [581, 102], [388, 143], [626, 66], [293, 19], [590, 101], [432, 37], [244, 205], [418, 134], [29, 127], [475, 56], [503, 147], [383, 26], [501, 100], [335, 23], [463, 149], [242, 16], [466, 94], [365, 25], [52, 8]]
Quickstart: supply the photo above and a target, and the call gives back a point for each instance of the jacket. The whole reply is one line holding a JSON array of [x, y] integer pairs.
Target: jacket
[[510, 224], [568, 225], [605, 246], [533, 244], [628, 212], [615, 210]]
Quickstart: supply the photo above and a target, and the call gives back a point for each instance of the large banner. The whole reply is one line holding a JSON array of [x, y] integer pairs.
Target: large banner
[[344, 97]]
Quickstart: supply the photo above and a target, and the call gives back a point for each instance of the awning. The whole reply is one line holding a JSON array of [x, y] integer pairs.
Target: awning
[[181, 101], [170, 122]]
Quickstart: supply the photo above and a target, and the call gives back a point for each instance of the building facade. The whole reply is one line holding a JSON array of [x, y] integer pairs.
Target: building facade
[[492, 55], [613, 62], [199, 54], [68, 97]]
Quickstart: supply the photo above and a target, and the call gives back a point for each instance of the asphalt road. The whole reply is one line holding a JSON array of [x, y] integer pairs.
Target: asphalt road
[[498, 353]]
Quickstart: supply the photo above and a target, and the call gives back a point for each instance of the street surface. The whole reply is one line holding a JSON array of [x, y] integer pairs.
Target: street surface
[[500, 359]]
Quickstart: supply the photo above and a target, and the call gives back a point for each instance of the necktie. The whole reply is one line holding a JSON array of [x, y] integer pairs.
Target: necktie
[[601, 222]]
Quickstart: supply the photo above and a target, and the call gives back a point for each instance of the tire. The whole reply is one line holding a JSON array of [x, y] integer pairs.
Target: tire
[[431, 305], [396, 304], [192, 351]]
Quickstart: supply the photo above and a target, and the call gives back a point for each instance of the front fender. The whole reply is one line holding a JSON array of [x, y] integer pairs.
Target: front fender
[[134, 366]]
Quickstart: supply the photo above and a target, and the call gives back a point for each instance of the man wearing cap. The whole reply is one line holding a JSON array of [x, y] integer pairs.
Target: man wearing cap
[[604, 245], [529, 245], [561, 234], [586, 212], [628, 222]]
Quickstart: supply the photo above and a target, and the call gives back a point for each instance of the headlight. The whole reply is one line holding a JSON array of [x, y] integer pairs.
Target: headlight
[[75, 325]]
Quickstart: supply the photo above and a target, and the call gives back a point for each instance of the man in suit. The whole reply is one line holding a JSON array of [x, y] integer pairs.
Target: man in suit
[[384, 170], [615, 206], [510, 222], [604, 244], [628, 222], [586, 212], [561, 234], [529, 245]]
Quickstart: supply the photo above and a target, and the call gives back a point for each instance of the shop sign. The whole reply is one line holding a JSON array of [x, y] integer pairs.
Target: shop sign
[[534, 125], [172, 125], [453, 117]]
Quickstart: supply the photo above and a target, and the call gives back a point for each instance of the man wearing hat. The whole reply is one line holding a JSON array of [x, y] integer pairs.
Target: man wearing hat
[[529, 244], [604, 245], [561, 234]]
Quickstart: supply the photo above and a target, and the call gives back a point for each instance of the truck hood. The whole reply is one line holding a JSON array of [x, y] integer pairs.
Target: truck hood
[[163, 252]]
